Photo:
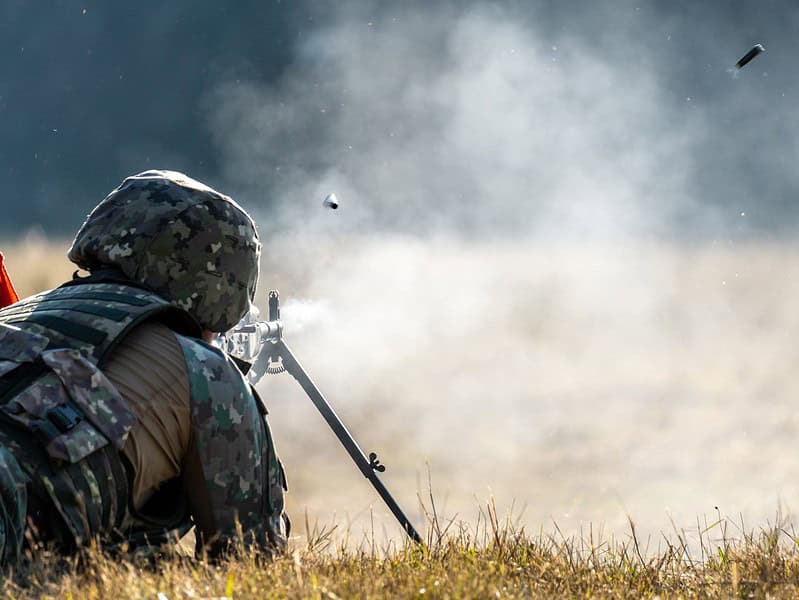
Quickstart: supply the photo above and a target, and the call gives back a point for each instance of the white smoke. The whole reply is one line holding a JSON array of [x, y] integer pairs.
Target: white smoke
[[467, 122], [490, 296]]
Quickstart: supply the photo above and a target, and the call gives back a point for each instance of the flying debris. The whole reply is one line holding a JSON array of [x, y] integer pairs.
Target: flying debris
[[757, 49], [331, 201]]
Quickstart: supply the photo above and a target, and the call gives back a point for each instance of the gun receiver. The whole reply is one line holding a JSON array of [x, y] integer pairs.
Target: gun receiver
[[263, 343]]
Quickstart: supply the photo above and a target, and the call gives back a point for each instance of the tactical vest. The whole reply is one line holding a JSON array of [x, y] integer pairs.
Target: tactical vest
[[60, 417]]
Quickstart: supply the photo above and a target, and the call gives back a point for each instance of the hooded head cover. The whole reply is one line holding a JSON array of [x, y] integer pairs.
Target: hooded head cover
[[188, 243]]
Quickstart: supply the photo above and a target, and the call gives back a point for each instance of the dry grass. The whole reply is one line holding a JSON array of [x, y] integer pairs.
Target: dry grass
[[36, 263], [495, 559]]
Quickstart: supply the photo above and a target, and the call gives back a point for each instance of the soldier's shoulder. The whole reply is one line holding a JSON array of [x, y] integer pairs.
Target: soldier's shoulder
[[207, 360], [200, 350]]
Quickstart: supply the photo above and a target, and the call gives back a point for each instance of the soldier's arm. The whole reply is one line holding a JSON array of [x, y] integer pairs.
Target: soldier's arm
[[232, 475]]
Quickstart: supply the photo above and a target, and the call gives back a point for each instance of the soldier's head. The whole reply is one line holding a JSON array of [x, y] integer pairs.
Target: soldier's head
[[186, 242]]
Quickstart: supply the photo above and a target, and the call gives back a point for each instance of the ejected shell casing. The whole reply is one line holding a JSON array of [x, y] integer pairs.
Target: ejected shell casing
[[757, 49], [331, 201]]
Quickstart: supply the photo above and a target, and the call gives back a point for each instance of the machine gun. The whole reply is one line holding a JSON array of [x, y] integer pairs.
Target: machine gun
[[261, 343]]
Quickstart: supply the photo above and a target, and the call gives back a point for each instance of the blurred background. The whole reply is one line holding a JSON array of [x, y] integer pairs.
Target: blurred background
[[563, 272]]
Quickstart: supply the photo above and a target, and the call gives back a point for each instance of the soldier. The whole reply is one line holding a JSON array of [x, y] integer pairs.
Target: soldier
[[119, 420]]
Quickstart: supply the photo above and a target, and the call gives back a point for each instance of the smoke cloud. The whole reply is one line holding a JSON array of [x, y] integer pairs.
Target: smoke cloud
[[460, 121], [523, 286]]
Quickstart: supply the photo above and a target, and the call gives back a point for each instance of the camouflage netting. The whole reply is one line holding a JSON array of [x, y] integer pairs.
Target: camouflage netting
[[185, 241]]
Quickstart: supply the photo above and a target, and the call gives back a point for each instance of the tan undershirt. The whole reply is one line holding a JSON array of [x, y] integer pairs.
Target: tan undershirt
[[149, 371]]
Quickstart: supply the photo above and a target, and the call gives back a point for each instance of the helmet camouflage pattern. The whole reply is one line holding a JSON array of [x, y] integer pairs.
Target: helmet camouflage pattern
[[188, 243]]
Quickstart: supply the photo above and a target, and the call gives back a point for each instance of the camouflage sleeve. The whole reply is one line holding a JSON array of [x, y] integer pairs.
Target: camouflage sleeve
[[241, 476]]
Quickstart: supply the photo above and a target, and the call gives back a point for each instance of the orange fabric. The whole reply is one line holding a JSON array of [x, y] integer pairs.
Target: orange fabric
[[8, 295]]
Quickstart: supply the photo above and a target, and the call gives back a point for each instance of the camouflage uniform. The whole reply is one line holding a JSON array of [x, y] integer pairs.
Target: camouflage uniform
[[160, 247], [13, 504]]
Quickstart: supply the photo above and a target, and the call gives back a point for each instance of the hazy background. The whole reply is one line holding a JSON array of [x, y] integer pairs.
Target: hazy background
[[563, 271], [462, 115]]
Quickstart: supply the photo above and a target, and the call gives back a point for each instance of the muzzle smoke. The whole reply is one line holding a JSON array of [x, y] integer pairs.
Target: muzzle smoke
[[506, 293]]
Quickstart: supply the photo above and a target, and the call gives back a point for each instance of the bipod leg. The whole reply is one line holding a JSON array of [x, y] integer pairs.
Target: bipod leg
[[368, 466]]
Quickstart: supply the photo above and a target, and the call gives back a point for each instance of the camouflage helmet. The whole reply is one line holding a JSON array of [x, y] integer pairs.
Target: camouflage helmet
[[188, 243]]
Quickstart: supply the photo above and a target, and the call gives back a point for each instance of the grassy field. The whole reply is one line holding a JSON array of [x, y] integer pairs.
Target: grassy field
[[36, 264], [584, 384], [492, 561]]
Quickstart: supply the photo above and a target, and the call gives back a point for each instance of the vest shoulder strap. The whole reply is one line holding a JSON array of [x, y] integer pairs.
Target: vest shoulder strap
[[94, 317]]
